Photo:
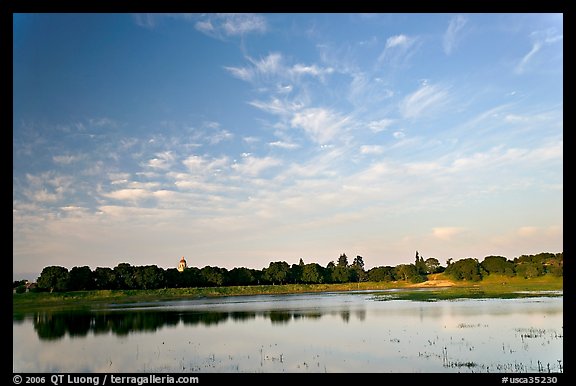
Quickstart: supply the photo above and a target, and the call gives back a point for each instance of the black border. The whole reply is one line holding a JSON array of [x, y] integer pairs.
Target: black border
[[9, 7]]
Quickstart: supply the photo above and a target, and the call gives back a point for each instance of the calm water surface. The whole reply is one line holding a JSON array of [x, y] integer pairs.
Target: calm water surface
[[329, 332]]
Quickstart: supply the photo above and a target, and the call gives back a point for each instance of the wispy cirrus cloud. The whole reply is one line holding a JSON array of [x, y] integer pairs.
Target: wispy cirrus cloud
[[540, 40], [284, 145], [320, 124], [151, 20], [272, 68], [424, 100], [277, 106], [398, 49], [500, 157], [380, 125], [216, 25], [222, 25], [371, 149], [452, 35]]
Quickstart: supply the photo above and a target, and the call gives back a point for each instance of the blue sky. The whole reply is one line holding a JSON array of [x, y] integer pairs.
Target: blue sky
[[236, 140]]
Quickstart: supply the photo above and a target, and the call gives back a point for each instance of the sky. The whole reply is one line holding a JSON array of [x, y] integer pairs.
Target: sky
[[236, 140]]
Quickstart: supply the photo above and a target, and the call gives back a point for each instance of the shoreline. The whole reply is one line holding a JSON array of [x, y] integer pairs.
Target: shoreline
[[438, 287]]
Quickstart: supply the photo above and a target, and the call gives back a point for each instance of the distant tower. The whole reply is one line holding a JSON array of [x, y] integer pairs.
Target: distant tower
[[182, 265]]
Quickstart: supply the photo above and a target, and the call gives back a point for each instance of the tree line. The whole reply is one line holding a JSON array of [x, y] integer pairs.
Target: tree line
[[125, 276]]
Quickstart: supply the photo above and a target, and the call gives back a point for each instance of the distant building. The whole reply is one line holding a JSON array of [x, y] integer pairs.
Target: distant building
[[182, 265], [30, 286]]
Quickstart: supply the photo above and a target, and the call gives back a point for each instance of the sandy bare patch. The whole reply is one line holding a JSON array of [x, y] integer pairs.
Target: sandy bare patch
[[434, 283]]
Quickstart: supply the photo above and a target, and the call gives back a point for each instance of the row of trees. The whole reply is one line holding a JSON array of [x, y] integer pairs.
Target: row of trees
[[126, 276]]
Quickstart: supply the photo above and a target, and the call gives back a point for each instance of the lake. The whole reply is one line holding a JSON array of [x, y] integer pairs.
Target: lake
[[357, 331]]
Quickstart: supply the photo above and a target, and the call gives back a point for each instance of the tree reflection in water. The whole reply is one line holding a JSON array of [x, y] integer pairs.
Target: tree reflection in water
[[54, 326]]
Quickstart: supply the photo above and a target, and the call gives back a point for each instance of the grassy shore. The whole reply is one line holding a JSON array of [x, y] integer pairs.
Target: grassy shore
[[437, 287]]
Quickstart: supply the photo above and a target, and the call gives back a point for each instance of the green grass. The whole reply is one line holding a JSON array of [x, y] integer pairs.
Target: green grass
[[491, 286]]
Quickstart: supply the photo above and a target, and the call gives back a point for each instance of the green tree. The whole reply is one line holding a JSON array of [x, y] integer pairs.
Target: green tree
[[277, 272], [465, 269], [343, 260], [214, 276], [420, 264], [18, 283], [358, 269], [192, 277], [81, 279], [241, 276], [124, 273], [19, 286], [173, 278], [148, 277], [408, 272], [498, 265], [313, 273], [339, 274], [295, 274], [104, 278], [381, 274], [529, 270], [529, 266], [555, 265], [54, 278], [432, 265]]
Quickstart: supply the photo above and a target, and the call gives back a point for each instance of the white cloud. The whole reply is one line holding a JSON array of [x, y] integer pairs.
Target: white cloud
[[205, 26], [242, 23], [527, 231], [74, 211], [66, 159], [199, 165], [447, 233], [321, 125], [118, 178], [313, 70], [145, 20], [381, 125], [221, 135], [398, 49], [253, 166], [424, 100], [367, 90], [48, 187], [540, 39], [230, 24], [242, 73], [371, 149], [270, 64], [398, 40], [163, 160], [266, 66], [500, 157], [44, 196], [284, 145], [271, 67], [128, 194], [452, 34], [277, 106]]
